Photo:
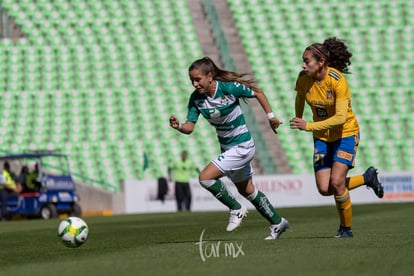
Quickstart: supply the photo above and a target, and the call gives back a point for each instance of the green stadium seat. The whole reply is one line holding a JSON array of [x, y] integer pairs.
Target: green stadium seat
[[106, 68], [368, 80]]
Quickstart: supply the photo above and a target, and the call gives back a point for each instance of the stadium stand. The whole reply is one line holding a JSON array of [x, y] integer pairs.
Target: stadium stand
[[379, 34], [98, 79]]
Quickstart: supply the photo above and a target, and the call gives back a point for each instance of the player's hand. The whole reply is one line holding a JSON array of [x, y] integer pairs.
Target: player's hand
[[174, 123], [297, 123], [274, 124]]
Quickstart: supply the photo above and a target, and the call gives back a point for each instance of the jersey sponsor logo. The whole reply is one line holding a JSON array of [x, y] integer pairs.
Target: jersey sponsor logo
[[345, 155], [321, 112]]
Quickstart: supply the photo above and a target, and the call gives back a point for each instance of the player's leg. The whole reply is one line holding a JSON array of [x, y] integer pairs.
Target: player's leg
[[209, 179], [342, 199], [278, 224], [330, 179], [259, 200], [368, 178], [354, 181], [322, 165], [344, 159], [322, 178]]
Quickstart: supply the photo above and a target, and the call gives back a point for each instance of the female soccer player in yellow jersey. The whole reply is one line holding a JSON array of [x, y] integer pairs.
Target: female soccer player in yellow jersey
[[335, 129]]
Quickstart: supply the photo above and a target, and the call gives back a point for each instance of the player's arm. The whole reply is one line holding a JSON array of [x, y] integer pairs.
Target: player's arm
[[299, 105], [262, 99], [187, 127], [341, 108], [297, 122]]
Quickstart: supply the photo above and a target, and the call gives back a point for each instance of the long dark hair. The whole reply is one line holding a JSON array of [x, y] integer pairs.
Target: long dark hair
[[334, 51], [206, 65]]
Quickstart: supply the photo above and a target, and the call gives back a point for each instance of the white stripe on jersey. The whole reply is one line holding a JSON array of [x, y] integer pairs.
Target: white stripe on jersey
[[232, 132]]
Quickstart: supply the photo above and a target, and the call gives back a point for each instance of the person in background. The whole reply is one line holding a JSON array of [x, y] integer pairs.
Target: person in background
[[22, 178], [11, 186], [162, 188], [323, 85], [3, 198], [32, 182], [216, 98], [181, 171]]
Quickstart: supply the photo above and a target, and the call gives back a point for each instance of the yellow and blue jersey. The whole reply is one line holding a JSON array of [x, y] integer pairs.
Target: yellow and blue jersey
[[323, 98]]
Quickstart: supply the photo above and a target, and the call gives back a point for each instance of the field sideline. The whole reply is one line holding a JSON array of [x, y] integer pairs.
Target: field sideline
[[197, 244]]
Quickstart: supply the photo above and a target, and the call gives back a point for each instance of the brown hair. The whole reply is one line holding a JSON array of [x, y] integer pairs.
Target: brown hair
[[334, 51], [206, 65]]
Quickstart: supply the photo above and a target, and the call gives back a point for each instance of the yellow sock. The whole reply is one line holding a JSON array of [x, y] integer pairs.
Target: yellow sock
[[344, 207], [355, 181]]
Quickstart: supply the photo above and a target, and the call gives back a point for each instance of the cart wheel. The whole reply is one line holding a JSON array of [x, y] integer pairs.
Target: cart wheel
[[76, 210], [48, 211]]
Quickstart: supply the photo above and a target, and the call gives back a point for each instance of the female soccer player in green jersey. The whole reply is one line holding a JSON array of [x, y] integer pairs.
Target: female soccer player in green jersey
[[335, 128], [216, 98]]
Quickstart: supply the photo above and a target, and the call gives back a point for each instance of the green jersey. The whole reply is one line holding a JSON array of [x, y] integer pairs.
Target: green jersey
[[182, 170], [223, 111]]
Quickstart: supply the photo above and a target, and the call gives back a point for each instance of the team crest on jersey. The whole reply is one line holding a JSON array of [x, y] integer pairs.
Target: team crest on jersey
[[329, 94], [224, 100]]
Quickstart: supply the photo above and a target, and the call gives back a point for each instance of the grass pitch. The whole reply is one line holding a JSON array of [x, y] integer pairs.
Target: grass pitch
[[197, 244]]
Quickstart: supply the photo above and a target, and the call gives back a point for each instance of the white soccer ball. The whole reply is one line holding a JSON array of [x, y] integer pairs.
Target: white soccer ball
[[73, 231]]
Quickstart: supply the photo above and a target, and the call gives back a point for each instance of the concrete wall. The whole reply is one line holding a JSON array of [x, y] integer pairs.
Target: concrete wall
[[96, 201]]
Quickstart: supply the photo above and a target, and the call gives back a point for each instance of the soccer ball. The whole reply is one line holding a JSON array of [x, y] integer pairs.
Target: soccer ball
[[73, 231]]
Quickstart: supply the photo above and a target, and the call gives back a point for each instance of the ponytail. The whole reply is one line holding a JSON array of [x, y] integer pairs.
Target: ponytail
[[206, 65], [339, 56], [334, 51]]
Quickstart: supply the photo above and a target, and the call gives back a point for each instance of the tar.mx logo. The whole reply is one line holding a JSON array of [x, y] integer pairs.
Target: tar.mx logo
[[218, 249]]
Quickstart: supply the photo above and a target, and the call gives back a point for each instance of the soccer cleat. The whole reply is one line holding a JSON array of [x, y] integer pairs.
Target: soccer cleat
[[372, 181], [344, 232], [236, 217], [276, 230]]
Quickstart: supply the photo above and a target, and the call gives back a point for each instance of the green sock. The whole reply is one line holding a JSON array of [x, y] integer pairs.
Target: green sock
[[265, 208], [220, 192]]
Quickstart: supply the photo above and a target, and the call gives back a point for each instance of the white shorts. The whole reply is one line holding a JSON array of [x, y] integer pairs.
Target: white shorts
[[235, 162]]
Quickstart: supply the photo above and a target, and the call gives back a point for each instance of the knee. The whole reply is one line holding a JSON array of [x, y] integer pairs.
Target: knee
[[201, 177], [325, 190], [337, 185], [206, 183], [246, 190]]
